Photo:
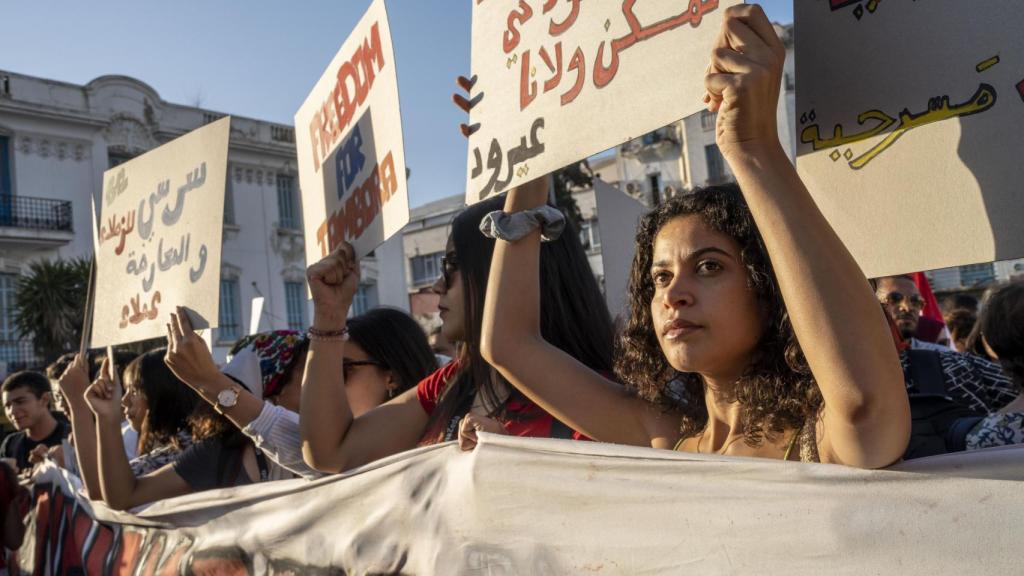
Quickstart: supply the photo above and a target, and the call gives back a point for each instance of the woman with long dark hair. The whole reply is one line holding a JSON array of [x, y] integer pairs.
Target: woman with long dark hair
[[220, 456], [155, 403], [574, 318], [752, 330]]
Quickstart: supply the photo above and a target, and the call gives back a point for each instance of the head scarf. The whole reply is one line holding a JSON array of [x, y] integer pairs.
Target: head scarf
[[261, 361]]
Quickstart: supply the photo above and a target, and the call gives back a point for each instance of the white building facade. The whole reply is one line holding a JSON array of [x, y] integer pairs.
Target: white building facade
[[57, 139]]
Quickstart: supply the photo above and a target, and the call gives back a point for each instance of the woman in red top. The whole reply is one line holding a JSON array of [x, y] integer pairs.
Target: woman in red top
[[574, 318]]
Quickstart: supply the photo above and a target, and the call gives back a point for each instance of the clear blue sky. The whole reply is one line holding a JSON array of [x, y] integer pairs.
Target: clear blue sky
[[260, 58]]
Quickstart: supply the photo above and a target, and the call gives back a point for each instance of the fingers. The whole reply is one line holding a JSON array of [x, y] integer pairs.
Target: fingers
[[467, 434], [753, 17], [172, 341], [176, 328], [742, 38], [333, 268], [184, 321]]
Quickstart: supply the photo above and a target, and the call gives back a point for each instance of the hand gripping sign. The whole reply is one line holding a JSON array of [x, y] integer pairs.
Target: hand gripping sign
[[350, 148], [560, 80], [159, 239]]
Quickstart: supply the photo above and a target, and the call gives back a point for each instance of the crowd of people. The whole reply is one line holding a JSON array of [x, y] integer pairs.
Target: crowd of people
[[749, 331]]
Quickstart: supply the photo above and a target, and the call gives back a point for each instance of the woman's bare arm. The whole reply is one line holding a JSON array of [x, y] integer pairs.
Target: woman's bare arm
[[511, 341], [841, 329], [332, 440]]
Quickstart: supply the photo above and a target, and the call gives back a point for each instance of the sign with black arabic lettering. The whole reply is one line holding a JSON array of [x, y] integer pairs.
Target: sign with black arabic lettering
[[557, 81], [350, 148], [161, 221], [908, 128]]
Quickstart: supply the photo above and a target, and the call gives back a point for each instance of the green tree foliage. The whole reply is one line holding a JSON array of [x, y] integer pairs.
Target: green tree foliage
[[50, 305], [566, 180]]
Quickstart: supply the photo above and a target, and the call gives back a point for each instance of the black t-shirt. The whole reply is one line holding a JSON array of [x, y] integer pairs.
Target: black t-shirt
[[19, 445]]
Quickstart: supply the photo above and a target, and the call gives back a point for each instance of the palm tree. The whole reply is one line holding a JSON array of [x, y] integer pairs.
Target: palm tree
[[50, 304]]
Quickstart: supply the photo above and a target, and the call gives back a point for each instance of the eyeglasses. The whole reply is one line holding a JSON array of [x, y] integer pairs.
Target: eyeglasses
[[897, 298], [348, 365], [449, 266]]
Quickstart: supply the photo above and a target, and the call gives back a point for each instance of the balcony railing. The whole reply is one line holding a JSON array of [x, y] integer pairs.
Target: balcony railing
[[35, 213], [18, 355]]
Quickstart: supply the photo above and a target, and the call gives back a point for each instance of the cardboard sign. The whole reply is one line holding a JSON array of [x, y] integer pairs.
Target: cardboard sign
[[349, 143], [618, 216], [560, 81], [908, 128], [160, 237]]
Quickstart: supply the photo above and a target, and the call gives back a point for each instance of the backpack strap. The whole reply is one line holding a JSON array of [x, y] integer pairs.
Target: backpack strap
[[926, 372]]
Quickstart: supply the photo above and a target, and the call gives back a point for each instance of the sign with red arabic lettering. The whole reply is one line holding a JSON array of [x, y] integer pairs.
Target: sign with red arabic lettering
[[159, 242], [557, 81], [350, 148]]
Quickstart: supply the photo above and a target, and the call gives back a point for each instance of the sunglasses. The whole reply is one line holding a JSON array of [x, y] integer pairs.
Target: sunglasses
[[897, 298], [449, 266], [348, 365]]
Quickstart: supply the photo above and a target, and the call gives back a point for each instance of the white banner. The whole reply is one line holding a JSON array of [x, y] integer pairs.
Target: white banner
[[161, 220], [349, 143], [560, 81], [909, 117], [538, 506]]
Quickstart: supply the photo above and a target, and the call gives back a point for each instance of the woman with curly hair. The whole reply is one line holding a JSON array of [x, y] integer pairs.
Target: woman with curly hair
[[752, 330]]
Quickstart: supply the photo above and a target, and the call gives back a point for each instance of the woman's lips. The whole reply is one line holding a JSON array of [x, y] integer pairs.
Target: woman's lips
[[678, 328]]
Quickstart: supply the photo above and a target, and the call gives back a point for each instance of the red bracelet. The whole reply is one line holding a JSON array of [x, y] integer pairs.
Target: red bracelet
[[315, 334]]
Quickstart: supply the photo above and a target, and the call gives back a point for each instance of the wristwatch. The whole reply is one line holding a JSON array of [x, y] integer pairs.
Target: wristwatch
[[227, 398]]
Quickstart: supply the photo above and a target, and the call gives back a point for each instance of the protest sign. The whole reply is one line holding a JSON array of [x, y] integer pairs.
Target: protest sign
[[160, 237], [349, 143], [618, 214], [907, 116], [559, 81], [506, 508]]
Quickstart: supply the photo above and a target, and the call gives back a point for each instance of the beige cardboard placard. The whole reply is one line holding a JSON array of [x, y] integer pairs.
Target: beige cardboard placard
[[160, 231], [618, 216], [909, 119], [350, 149], [560, 81]]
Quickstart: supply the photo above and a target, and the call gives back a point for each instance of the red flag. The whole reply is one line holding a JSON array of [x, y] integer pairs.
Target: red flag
[[931, 305]]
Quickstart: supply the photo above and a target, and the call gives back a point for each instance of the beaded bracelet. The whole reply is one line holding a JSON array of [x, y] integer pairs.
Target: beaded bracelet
[[317, 335]]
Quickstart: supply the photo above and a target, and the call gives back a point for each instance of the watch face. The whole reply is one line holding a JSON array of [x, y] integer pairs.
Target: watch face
[[227, 398]]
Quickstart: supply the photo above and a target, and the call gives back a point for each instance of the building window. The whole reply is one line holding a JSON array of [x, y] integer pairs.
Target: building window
[[287, 204], [590, 235], [230, 328], [295, 303], [708, 120], [5, 166], [654, 180], [977, 274], [364, 300], [117, 158], [426, 269], [8, 285], [716, 163]]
